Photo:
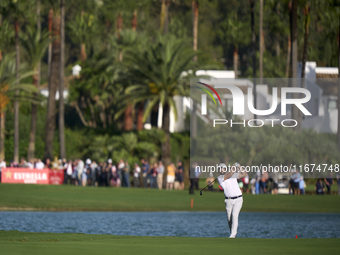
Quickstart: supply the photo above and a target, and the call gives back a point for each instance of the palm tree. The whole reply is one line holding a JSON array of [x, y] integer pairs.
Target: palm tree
[[35, 45], [9, 85], [81, 30], [156, 77], [52, 88], [305, 43], [61, 81], [235, 32], [295, 112], [261, 42], [253, 50]]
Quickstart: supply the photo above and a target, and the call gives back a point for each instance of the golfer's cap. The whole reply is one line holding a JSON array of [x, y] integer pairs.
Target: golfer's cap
[[109, 161], [222, 165], [88, 161]]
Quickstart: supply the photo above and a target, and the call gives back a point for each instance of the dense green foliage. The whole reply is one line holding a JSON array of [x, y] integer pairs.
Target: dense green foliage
[[133, 63], [76, 198]]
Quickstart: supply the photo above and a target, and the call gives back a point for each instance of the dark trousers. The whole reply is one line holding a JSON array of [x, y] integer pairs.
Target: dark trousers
[[192, 185]]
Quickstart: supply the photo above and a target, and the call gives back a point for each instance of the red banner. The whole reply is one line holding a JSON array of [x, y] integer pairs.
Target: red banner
[[32, 176]]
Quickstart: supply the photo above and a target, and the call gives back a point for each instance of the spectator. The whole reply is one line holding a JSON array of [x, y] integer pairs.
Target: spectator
[[48, 164], [209, 181], [30, 164], [99, 174], [192, 177], [245, 181], [170, 178], [121, 175], [180, 174], [93, 167], [329, 182], [136, 175], [23, 163], [275, 184], [338, 182], [69, 172], [88, 163], [319, 187], [80, 169], [153, 176], [197, 175], [295, 182], [302, 186], [160, 172], [39, 164], [145, 170], [115, 182], [2, 166], [127, 174], [75, 173], [263, 182]]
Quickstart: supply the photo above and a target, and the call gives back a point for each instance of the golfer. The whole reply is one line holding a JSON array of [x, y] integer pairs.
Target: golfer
[[232, 192]]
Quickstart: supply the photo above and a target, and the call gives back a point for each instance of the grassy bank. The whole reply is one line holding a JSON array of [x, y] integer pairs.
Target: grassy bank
[[71, 198], [14, 242]]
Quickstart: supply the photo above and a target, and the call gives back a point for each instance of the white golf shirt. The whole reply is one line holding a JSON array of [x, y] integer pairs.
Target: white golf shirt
[[230, 186]]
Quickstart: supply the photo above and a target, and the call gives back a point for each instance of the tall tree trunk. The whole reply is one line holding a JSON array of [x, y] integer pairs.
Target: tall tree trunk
[[36, 82], [277, 45], [339, 86], [50, 22], [261, 42], [128, 121], [253, 50], [165, 16], [16, 102], [134, 21], [2, 134], [289, 47], [236, 61], [295, 111], [61, 82], [305, 43], [2, 117], [165, 147], [195, 25], [31, 145], [83, 55], [140, 116], [52, 88], [119, 30]]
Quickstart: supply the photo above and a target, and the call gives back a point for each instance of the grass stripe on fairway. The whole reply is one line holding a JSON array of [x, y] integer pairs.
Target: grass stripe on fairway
[[14, 242], [71, 198]]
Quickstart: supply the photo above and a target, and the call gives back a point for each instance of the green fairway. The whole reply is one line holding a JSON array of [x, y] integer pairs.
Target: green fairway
[[72, 198], [14, 242]]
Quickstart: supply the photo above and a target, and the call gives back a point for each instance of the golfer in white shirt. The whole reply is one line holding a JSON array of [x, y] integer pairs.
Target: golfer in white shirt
[[232, 192]]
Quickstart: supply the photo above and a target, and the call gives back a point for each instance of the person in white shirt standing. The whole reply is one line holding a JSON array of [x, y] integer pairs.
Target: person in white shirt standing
[[2, 166], [233, 195]]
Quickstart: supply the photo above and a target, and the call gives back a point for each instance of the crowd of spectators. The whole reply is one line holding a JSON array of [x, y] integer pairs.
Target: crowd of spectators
[[143, 174], [121, 174]]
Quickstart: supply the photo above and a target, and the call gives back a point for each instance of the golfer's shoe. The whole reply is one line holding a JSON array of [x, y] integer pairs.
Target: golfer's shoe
[[231, 236]]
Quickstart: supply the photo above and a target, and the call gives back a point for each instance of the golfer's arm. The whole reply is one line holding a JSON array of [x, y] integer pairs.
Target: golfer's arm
[[243, 173], [228, 175]]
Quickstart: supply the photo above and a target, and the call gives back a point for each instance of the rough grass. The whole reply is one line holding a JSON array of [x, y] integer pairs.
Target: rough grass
[[15, 242]]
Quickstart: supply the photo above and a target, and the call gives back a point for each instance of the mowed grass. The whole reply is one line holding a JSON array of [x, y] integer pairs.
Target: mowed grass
[[72, 198], [15, 242]]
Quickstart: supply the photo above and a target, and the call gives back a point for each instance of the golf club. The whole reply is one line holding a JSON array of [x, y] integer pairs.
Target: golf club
[[207, 186]]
